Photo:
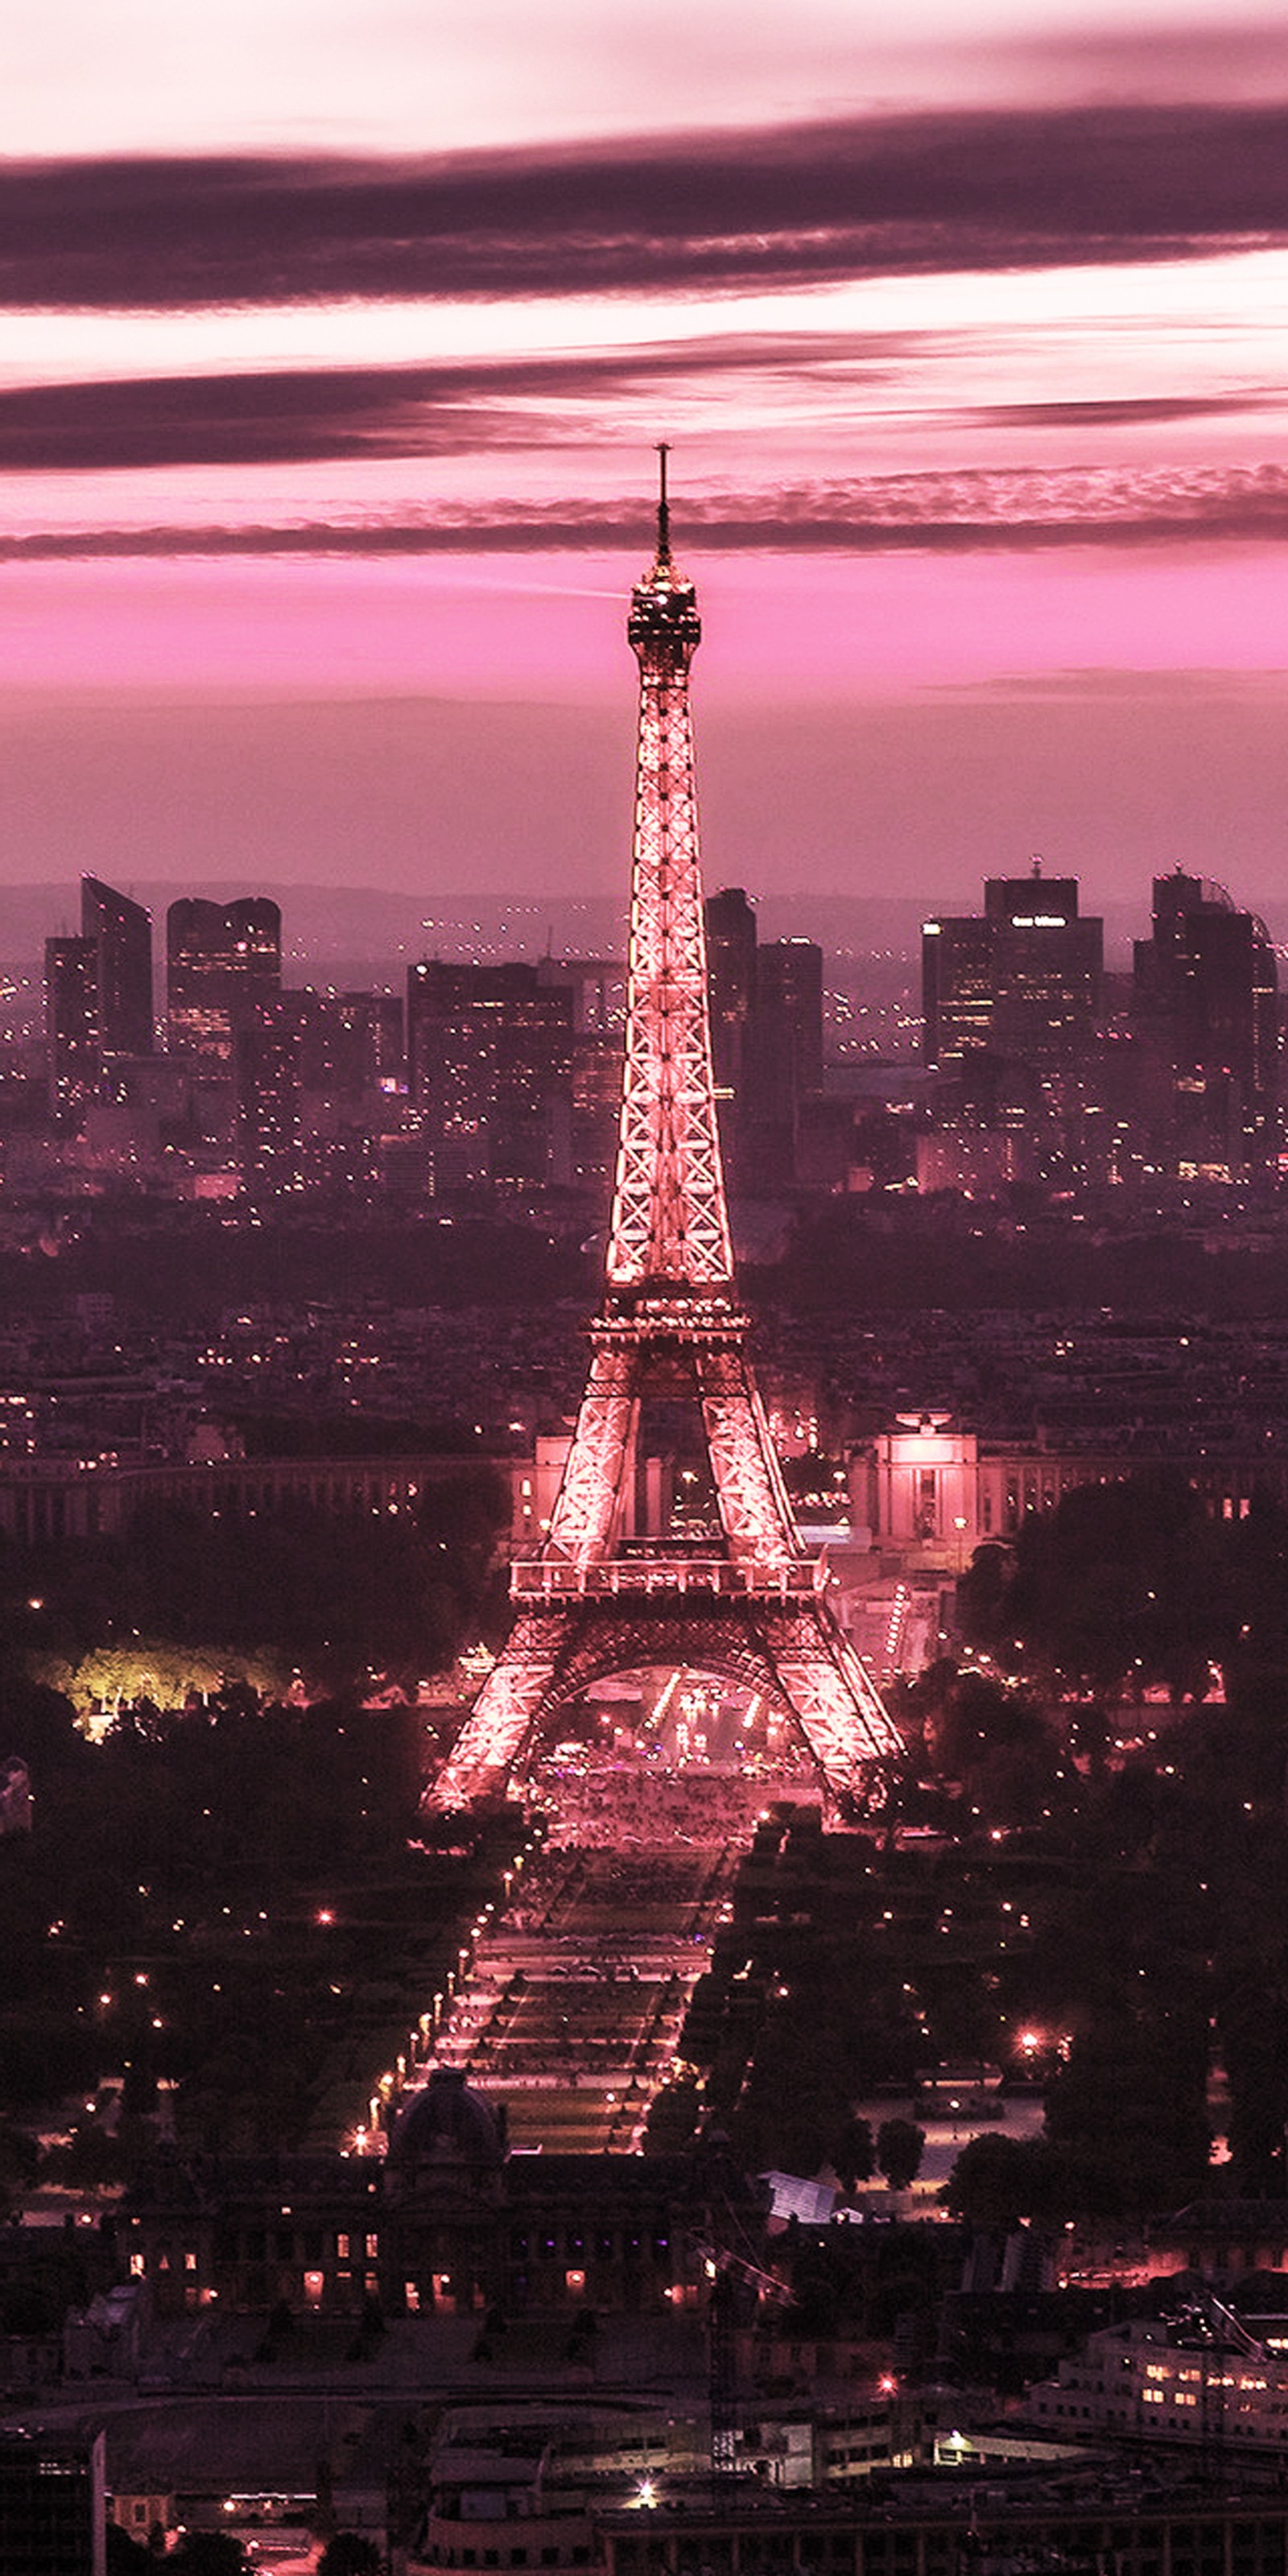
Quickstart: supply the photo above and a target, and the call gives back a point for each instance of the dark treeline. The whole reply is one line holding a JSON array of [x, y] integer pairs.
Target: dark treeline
[[870, 1257], [335, 1597], [1135, 1584], [233, 1898], [849, 1256], [166, 1261], [1111, 1927]]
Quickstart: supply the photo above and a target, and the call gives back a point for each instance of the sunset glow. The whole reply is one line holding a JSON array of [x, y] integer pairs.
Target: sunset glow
[[337, 344]]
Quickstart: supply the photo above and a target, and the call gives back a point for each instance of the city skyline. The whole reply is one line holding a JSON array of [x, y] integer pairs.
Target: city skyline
[[337, 350]]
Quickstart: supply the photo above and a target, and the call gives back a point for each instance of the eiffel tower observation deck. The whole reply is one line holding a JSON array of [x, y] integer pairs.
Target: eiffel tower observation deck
[[734, 1594]]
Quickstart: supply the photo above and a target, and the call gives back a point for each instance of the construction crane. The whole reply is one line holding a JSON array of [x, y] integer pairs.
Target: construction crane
[[726, 2268]]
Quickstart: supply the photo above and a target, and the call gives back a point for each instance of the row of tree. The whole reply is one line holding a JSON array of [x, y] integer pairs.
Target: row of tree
[[184, 1597], [1134, 1584], [224, 1898], [1126, 1912]]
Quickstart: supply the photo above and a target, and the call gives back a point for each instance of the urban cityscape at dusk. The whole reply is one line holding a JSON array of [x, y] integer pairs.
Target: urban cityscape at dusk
[[643, 1467]]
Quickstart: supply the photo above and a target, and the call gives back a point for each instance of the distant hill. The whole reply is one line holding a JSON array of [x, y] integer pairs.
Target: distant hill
[[357, 934]]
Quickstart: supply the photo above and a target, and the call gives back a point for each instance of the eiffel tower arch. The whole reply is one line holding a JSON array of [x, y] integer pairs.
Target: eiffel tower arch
[[740, 1599]]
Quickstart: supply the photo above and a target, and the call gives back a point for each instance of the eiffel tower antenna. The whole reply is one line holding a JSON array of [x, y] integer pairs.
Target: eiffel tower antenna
[[663, 506], [605, 1593]]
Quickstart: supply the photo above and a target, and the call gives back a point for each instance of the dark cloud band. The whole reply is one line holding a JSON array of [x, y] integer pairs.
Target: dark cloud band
[[319, 414], [933, 513], [712, 213], [323, 415]]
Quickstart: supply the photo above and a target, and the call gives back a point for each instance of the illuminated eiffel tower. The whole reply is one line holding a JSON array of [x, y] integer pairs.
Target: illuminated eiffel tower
[[741, 1601]]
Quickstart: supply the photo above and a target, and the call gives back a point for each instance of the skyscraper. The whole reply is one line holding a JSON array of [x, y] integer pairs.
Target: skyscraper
[[789, 1009], [1205, 1003], [597, 986], [266, 1059], [730, 922], [122, 934], [73, 1032], [766, 1038], [1025, 981], [221, 960], [489, 1071]]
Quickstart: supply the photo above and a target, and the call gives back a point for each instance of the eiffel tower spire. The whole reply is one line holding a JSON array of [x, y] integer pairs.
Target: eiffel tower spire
[[669, 1219], [604, 1594]]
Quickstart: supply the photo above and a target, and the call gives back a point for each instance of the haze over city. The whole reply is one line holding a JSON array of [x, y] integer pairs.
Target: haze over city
[[336, 345]]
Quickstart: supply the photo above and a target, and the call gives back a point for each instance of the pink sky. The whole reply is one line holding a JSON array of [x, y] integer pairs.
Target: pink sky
[[338, 337]]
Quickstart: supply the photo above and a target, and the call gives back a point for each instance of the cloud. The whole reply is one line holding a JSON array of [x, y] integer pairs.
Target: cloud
[[306, 415], [324, 414], [959, 513], [1127, 411], [1199, 685], [709, 213]]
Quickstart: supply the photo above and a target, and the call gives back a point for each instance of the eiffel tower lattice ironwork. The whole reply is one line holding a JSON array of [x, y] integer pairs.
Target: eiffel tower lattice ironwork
[[746, 1602]]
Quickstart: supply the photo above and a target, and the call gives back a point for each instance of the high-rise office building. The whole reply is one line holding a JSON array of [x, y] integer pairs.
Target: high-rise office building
[[222, 960], [788, 1008], [597, 986], [489, 1073], [1023, 981], [766, 1038], [267, 1043], [730, 923], [121, 930], [53, 2509], [73, 1032], [350, 1077], [1205, 1005]]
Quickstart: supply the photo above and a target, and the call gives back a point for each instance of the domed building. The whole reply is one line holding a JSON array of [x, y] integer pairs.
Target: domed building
[[443, 2188], [446, 2223], [447, 2122]]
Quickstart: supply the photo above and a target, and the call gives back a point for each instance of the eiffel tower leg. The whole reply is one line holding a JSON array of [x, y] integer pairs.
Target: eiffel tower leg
[[504, 1714], [754, 1509], [590, 1502], [830, 1694]]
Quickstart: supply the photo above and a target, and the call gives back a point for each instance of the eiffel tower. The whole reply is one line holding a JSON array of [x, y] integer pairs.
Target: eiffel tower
[[602, 1595]]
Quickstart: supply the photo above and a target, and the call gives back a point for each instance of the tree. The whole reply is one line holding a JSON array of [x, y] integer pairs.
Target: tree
[[673, 2117], [1122, 1583], [126, 2557], [349, 2554], [900, 2144], [982, 1593], [997, 2181], [208, 2553], [19, 2161], [1000, 1745], [1127, 2112], [854, 2154]]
